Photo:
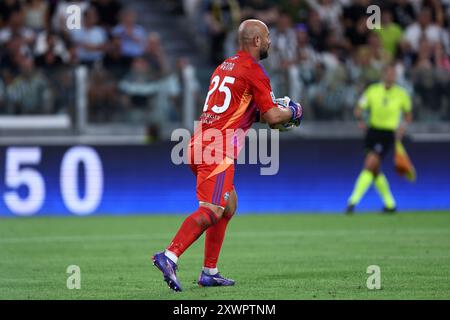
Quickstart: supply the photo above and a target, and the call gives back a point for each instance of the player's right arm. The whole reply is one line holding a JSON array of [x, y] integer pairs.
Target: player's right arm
[[363, 104], [358, 112]]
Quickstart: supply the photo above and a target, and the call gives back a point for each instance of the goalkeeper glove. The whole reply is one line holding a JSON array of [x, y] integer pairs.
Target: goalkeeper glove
[[296, 108], [297, 113]]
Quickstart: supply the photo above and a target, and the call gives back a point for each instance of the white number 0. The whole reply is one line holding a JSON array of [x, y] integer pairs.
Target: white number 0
[[222, 88]]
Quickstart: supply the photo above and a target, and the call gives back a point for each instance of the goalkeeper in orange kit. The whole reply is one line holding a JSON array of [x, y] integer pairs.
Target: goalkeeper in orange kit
[[239, 95]]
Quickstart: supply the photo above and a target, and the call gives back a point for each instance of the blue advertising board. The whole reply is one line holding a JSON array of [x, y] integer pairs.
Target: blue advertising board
[[313, 176]]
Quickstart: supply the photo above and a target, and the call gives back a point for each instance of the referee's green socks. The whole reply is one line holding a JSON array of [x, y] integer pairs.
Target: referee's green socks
[[363, 183], [382, 186]]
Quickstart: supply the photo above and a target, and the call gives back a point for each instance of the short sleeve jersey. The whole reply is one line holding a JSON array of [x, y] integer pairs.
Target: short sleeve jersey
[[385, 106], [238, 90]]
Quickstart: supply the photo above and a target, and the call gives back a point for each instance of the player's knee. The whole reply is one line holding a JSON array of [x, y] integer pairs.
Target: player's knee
[[231, 207], [230, 211], [218, 211], [373, 169], [372, 163]]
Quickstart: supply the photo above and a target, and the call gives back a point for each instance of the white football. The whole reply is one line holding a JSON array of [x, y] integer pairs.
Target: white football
[[283, 103]]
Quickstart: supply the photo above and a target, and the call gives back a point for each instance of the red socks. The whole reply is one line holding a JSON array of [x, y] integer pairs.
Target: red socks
[[213, 242], [192, 228]]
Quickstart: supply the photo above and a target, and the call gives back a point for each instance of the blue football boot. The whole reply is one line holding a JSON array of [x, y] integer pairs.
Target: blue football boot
[[205, 280], [168, 268]]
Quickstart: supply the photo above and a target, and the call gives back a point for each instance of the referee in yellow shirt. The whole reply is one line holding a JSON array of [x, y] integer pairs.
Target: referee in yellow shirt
[[386, 104]]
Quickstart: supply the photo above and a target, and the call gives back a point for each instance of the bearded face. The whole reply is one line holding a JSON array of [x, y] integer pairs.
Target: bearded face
[[264, 51]]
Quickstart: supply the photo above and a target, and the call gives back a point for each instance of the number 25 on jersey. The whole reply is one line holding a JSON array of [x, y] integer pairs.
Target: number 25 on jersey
[[222, 88]]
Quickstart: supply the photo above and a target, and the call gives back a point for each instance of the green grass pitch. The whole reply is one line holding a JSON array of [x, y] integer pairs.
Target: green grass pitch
[[270, 257]]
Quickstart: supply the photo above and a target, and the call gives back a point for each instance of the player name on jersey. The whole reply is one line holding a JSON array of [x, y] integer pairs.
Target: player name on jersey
[[227, 66]]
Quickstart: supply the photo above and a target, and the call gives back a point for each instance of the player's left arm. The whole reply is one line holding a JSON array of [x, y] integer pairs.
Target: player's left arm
[[273, 117], [259, 118], [361, 107], [276, 115], [407, 115]]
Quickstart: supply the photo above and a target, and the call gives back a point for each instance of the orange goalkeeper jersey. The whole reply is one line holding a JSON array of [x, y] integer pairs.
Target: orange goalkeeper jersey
[[238, 90]]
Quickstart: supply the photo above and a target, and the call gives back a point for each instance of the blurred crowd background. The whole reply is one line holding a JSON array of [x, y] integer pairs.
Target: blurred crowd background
[[146, 57]]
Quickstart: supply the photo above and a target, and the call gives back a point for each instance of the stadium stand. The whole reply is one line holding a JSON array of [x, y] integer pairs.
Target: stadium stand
[[148, 62]]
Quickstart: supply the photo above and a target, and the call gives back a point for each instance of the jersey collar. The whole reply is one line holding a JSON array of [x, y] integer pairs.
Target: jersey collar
[[245, 53]]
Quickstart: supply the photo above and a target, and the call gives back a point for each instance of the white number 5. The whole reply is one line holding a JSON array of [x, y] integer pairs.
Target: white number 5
[[29, 177], [222, 88]]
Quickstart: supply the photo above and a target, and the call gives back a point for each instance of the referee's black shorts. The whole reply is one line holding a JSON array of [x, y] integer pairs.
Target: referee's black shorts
[[379, 141]]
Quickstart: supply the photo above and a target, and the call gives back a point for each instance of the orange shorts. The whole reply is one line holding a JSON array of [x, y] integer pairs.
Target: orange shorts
[[214, 182]]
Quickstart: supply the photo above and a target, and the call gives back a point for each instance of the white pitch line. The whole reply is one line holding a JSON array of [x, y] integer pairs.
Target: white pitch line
[[239, 234]]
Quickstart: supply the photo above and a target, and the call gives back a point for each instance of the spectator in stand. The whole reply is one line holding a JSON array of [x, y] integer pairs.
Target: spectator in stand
[[436, 10], [132, 35], [13, 52], [431, 79], [297, 9], [156, 57], [263, 10], [190, 8], [221, 17], [283, 53], [390, 33], [36, 14], [329, 94], [89, 41], [329, 11], [423, 77], [335, 51], [317, 31], [442, 67], [446, 9], [2, 97], [404, 13], [380, 57], [307, 59], [8, 7], [352, 12], [283, 48], [108, 12], [137, 86], [357, 34], [50, 59], [365, 71], [16, 26], [114, 61], [102, 96], [424, 28], [306, 55], [46, 37], [441, 59], [29, 92], [52, 62], [144, 94]]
